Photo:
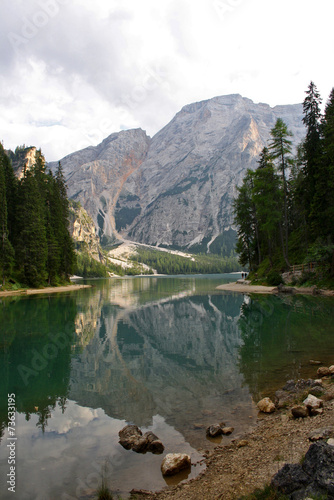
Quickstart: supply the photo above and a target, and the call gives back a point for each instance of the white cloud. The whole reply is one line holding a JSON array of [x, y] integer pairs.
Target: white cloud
[[75, 71]]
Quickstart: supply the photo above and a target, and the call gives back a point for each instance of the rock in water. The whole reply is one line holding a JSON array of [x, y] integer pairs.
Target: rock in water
[[174, 463], [129, 436], [214, 430], [266, 405]]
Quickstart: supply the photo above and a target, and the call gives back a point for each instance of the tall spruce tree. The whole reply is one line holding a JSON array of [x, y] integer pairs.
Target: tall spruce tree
[[324, 197], [245, 219], [312, 151], [267, 198], [31, 254], [281, 148], [6, 249], [68, 258]]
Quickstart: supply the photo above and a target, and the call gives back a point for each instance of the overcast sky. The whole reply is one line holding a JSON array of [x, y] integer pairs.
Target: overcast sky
[[75, 71]]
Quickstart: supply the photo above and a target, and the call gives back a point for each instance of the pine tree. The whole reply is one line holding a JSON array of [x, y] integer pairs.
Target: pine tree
[[11, 192], [324, 199], [245, 219], [281, 147], [267, 198], [32, 245], [68, 259], [312, 146], [6, 249]]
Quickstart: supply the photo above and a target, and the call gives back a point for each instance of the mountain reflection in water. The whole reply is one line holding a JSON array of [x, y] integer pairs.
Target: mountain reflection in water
[[171, 355]]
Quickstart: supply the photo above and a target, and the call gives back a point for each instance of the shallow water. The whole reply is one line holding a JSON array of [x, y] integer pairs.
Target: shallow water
[[169, 354]]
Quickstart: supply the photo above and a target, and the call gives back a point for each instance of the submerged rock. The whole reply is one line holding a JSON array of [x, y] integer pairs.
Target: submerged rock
[[174, 463], [266, 405], [131, 437], [215, 430]]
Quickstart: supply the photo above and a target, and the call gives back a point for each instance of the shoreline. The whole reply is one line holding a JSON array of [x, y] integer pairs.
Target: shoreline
[[39, 291], [251, 460], [262, 289]]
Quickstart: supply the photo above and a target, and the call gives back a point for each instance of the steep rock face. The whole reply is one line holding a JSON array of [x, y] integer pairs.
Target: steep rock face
[[176, 189], [95, 175], [83, 231], [188, 181]]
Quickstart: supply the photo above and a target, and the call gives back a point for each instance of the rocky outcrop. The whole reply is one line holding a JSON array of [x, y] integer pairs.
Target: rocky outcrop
[[83, 231], [313, 478], [136, 188]]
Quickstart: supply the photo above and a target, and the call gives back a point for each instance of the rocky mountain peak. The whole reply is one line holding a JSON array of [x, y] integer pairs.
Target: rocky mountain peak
[[177, 188]]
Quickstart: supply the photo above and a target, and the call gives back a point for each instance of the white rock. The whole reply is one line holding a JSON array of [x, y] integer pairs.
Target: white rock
[[331, 369], [174, 463], [266, 405], [330, 442], [313, 402]]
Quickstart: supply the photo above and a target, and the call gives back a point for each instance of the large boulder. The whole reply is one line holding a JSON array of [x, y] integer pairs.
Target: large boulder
[[314, 477], [174, 463]]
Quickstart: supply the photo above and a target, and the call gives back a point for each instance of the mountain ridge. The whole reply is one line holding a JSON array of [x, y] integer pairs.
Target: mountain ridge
[[176, 189]]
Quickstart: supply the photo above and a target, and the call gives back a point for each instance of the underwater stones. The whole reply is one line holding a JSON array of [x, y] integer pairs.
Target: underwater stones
[[218, 430], [131, 437], [215, 430], [174, 463], [266, 405]]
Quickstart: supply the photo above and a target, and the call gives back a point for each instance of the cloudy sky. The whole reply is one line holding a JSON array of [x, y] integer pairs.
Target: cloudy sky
[[75, 71]]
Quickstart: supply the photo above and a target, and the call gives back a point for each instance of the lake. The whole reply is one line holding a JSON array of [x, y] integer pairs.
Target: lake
[[170, 354]]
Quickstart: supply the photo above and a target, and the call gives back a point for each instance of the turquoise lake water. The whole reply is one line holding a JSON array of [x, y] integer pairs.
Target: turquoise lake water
[[169, 354]]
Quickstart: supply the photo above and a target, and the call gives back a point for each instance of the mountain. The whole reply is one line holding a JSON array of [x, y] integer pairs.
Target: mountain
[[177, 189]]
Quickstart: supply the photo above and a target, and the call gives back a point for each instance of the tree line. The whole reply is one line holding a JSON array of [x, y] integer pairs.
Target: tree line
[[284, 209], [167, 263], [35, 245]]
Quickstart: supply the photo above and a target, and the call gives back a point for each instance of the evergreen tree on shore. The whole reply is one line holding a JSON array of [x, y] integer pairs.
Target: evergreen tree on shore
[[294, 196]]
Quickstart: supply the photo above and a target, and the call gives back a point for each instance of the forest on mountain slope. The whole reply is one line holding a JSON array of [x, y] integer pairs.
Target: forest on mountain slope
[[285, 208]]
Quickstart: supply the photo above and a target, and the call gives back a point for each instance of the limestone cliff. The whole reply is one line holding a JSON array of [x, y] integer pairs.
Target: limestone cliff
[[83, 231]]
